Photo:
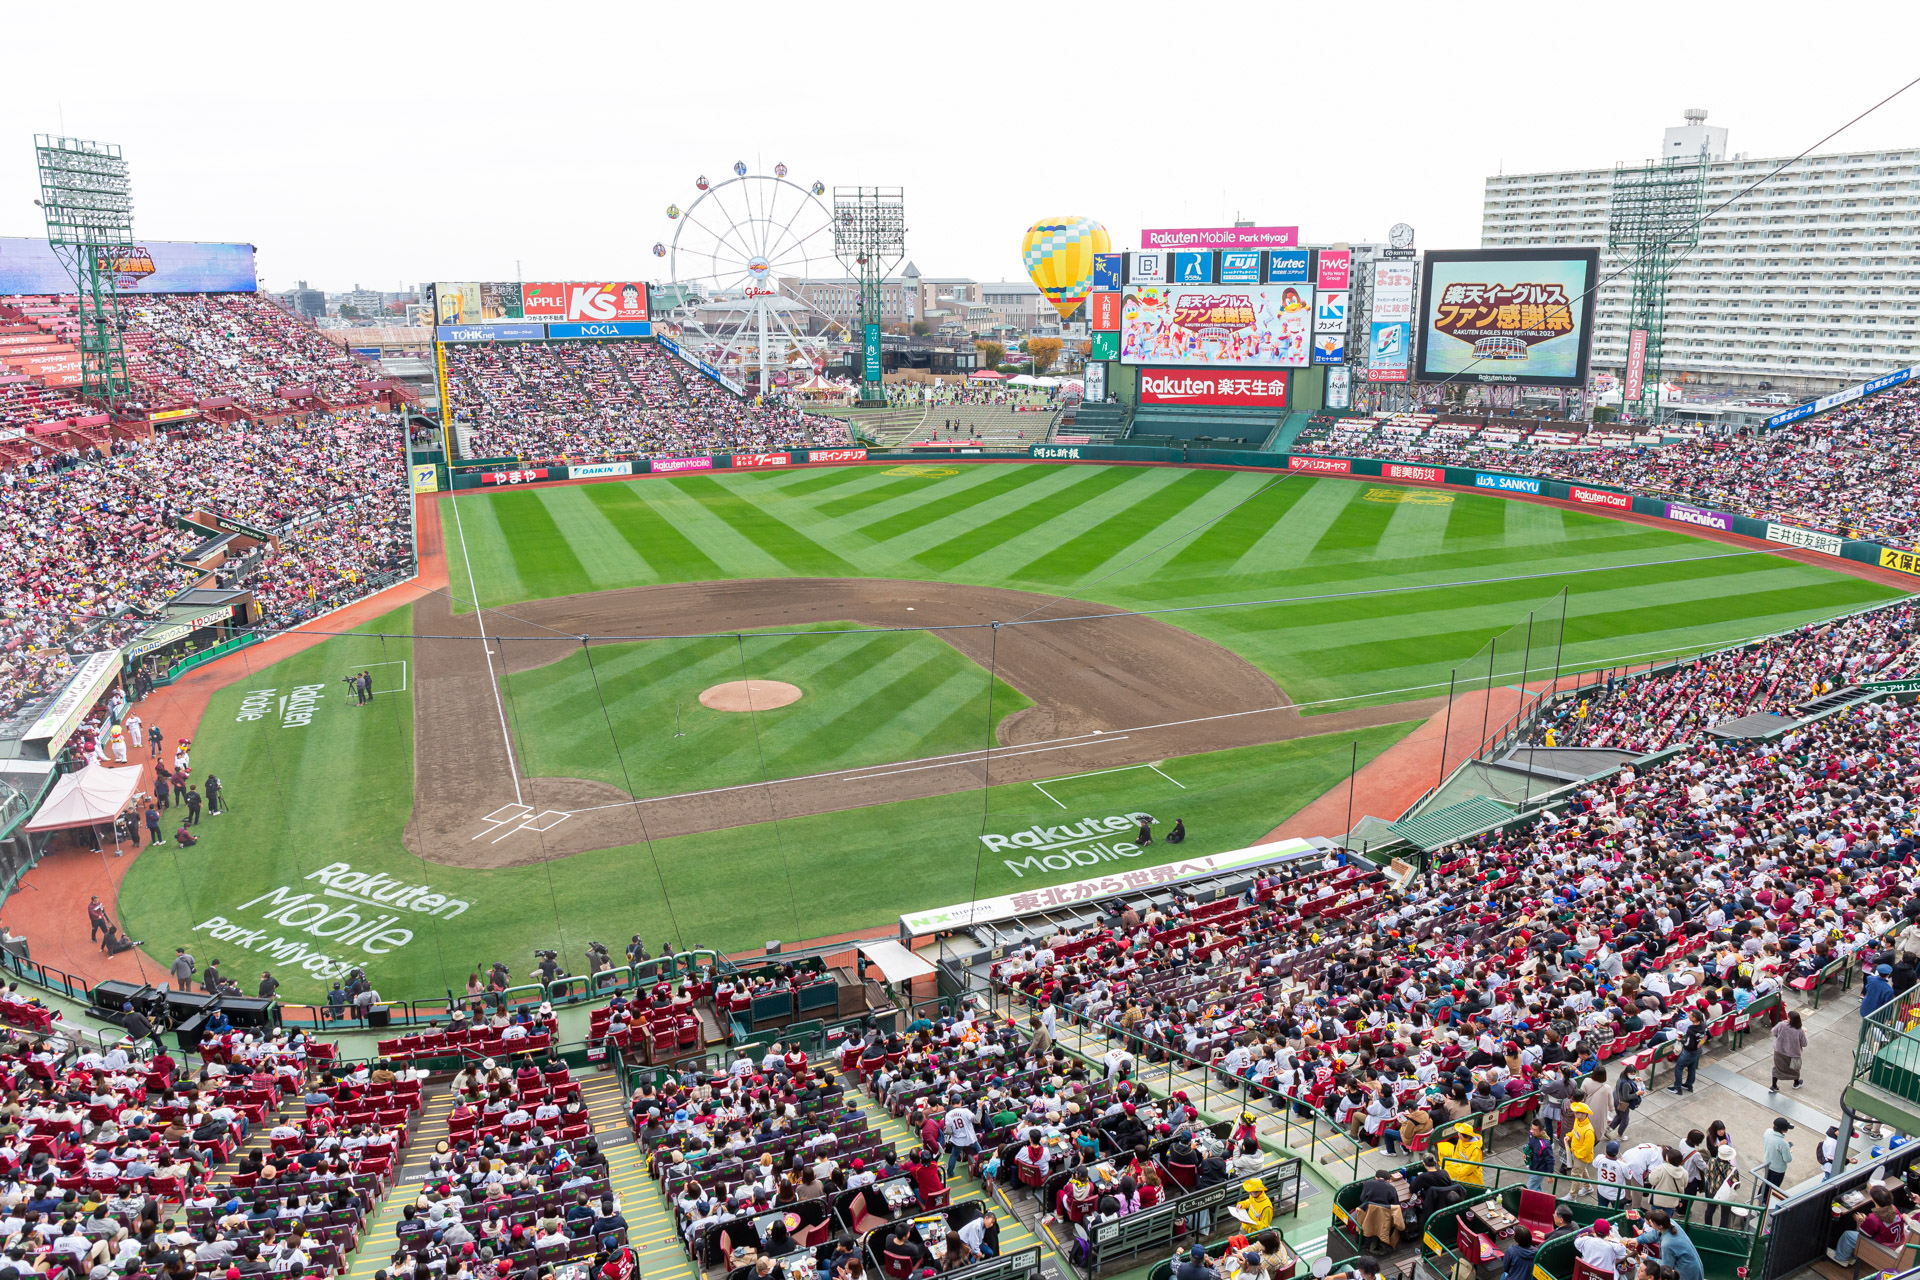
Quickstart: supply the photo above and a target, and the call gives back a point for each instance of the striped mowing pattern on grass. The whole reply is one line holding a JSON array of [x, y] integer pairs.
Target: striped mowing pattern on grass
[[1152, 537]]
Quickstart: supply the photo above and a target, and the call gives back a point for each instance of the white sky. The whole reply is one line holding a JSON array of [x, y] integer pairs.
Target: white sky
[[388, 145]]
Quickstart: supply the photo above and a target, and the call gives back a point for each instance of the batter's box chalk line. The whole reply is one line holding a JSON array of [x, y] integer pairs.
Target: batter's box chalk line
[[512, 818]]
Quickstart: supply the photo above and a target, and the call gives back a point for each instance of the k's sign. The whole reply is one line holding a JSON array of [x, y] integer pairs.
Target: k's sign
[[1264, 388], [576, 301]]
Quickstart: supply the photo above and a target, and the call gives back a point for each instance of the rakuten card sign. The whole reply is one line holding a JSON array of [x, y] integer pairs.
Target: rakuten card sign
[[1264, 388]]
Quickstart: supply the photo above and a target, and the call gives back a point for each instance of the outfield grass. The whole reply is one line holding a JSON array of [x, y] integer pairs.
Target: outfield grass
[[340, 789], [867, 698], [1135, 537]]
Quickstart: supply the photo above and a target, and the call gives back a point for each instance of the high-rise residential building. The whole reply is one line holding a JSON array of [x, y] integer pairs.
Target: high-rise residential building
[[1808, 283]]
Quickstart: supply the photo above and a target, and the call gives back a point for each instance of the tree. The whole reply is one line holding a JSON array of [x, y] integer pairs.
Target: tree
[[921, 328], [1044, 352], [990, 353], [347, 311]]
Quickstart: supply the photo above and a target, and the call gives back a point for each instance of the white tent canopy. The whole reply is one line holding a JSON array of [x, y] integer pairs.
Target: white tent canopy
[[92, 797], [896, 962]]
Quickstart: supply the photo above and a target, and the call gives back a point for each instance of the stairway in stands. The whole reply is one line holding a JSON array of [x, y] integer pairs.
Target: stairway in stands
[[606, 1108]]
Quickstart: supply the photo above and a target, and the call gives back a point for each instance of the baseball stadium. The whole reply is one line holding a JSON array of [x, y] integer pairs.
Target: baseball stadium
[[669, 778]]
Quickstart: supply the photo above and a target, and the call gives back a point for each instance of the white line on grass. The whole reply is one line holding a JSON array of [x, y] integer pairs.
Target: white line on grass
[[480, 618]]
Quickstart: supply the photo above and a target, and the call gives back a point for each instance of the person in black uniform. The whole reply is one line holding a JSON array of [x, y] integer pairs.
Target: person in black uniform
[[193, 806], [213, 793]]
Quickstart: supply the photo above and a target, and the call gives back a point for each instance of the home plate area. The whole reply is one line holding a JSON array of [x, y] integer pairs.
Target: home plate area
[[511, 818]]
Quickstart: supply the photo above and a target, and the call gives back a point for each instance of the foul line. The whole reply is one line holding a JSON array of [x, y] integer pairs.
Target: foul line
[[480, 618]]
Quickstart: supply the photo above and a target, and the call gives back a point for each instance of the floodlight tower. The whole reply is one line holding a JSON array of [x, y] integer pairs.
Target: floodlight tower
[[1654, 221], [88, 204], [870, 239]]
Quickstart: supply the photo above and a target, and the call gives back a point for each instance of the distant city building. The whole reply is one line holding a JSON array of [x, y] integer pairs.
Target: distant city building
[[305, 301], [1810, 283]]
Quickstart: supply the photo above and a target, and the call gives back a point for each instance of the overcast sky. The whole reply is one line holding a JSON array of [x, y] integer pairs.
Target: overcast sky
[[384, 146]]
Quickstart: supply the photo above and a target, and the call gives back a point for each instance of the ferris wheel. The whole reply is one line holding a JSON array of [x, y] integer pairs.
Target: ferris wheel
[[738, 263]]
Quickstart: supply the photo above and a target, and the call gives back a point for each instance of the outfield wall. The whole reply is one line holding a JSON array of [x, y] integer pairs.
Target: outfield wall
[[506, 472]]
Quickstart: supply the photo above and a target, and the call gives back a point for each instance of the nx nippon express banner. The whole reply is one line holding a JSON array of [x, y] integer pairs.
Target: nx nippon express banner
[[1507, 315], [574, 301], [1258, 387], [148, 266], [1236, 325]]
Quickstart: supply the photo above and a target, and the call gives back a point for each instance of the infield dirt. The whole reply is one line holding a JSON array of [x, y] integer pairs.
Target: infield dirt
[[1094, 683]]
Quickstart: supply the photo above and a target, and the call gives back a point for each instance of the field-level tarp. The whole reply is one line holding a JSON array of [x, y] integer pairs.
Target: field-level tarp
[[92, 797]]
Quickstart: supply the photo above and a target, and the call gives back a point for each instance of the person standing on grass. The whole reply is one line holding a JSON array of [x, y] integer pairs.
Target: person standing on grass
[[193, 806], [213, 795], [153, 826], [1789, 1043]]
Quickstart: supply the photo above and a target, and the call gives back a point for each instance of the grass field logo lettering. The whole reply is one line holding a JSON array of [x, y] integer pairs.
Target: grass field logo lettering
[[373, 928], [1086, 843], [298, 707], [256, 705]]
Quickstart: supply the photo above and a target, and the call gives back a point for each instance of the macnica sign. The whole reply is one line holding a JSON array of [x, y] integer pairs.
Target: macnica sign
[[367, 916]]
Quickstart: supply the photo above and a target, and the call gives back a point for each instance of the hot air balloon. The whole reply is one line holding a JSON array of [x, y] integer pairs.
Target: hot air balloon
[[1059, 254]]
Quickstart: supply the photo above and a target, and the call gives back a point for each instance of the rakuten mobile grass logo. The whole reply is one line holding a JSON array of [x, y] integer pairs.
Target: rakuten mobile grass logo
[[1086, 843]]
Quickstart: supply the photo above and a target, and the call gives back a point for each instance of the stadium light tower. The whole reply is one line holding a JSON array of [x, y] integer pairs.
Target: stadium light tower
[[1653, 221], [870, 239], [88, 204]]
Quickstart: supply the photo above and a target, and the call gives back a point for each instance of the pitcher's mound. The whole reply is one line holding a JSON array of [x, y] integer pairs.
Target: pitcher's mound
[[750, 695]]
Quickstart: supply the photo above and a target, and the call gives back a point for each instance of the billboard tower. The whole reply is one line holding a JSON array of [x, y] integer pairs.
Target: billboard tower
[[870, 239], [88, 205], [1653, 218]]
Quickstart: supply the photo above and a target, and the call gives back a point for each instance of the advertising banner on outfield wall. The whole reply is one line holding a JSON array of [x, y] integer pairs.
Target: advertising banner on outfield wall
[[1600, 498], [1320, 466], [746, 461], [1809, 539], [589, 470], [524, 476], [1507, 484], [1904, 561], [666, 466], [1698, 516], [1222, 325], [1407, 471], [836, 455], [1264, 388]]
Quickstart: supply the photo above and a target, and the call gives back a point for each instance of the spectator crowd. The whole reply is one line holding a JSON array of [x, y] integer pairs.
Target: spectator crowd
[[582, 401], [1851, 471]]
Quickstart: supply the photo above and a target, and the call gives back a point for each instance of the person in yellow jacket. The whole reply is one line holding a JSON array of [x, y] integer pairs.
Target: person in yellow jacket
[[1255, 1213], [1460, 1154], [1581, 1139]]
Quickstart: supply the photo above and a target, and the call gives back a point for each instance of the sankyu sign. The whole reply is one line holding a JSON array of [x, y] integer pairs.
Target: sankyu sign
[[1805, 538], [1700, 517], [1262, 387], [1507, 484], [988, 910], [1600, 498], [372, 907]]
